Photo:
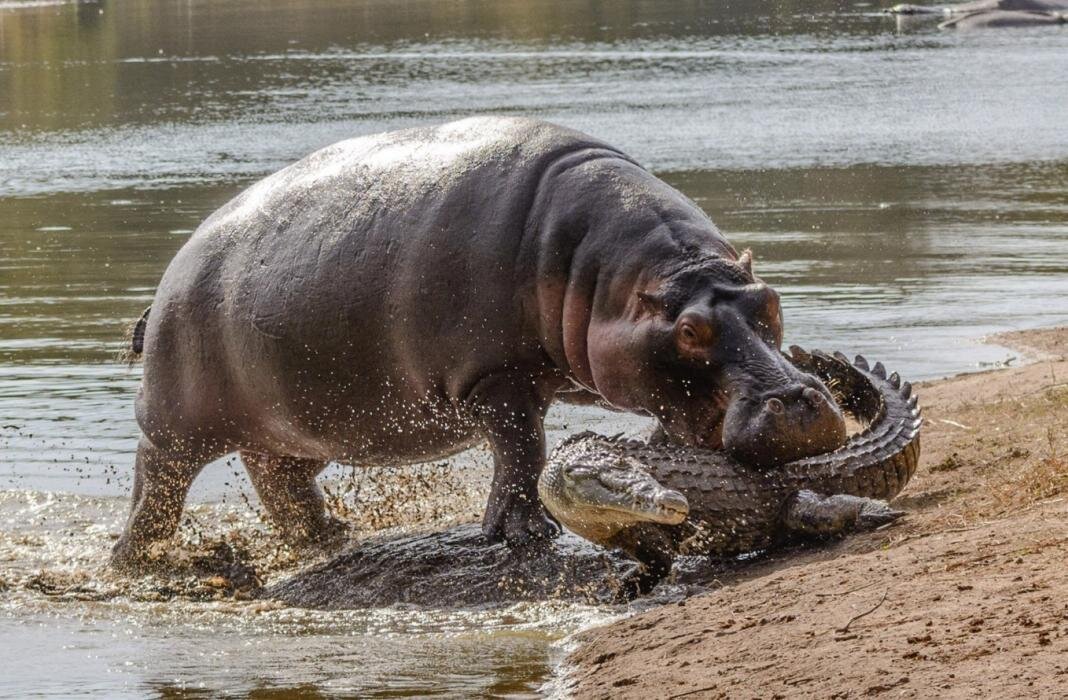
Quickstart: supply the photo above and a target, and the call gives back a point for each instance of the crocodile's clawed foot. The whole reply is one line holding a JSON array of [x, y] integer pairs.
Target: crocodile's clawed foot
[[814, 514], [636, 583], [875, 514]]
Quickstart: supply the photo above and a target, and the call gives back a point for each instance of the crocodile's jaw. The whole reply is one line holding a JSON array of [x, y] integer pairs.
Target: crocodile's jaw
[[597, 501]]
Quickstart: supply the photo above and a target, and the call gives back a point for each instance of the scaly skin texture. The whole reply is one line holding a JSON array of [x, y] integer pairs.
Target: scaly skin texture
[[733, 508]]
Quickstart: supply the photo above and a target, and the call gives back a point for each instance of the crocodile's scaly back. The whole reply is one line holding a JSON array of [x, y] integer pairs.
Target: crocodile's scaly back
[[735, 508], [878, 462]]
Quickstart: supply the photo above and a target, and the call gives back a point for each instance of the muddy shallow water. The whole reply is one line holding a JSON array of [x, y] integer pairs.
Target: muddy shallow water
[[902, 187]]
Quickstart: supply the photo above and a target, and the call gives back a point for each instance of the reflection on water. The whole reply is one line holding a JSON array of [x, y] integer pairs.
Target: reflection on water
[[902, 187]]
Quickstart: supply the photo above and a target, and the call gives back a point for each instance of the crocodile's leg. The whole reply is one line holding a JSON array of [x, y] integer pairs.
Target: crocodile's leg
[[809, 513], [654, 549]]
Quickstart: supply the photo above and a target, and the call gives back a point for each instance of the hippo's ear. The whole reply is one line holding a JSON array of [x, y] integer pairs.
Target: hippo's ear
[[746, 261], [694, 335]]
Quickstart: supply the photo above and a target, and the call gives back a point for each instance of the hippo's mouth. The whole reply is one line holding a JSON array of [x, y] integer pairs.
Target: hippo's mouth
[[700, 426], [758, 426]]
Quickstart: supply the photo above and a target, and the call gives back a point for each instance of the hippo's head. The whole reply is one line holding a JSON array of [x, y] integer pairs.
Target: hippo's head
[[699, 349]]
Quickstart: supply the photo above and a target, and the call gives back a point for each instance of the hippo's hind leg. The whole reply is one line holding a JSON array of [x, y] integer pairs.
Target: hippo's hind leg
[[161, 483], [293, 500], [810, 513]]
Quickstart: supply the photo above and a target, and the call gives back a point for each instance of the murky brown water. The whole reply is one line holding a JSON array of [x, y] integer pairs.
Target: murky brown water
[[904, 188]]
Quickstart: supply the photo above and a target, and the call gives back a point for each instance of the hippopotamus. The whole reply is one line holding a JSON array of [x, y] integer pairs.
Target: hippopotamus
[[400, 297]]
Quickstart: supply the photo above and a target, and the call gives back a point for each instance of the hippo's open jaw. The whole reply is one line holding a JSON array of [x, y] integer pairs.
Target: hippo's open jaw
[[701, 426], [761, 425], [793, 420]]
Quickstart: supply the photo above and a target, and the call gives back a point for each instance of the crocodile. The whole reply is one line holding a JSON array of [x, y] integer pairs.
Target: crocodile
[[654, 500]]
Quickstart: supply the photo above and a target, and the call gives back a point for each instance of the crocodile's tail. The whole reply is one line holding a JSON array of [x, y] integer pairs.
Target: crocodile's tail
[[878, 462], [134, 340]]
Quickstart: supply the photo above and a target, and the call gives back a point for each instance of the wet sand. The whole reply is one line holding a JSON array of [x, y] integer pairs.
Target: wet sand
[[965, 597]]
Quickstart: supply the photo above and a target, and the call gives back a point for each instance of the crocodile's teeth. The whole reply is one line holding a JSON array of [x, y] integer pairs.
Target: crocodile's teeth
[[861, 362], [895, 380], [879, 371]]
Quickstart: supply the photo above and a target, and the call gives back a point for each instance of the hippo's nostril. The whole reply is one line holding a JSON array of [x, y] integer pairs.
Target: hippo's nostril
[[814, 397], [775, 406]]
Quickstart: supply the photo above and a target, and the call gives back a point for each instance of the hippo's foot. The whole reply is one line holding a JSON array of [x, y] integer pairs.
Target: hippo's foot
[[326, 534], [518, 522], [128, 558], [134, 558]]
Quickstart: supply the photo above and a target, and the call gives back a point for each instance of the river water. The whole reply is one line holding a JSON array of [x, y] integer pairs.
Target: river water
[[904, 189]]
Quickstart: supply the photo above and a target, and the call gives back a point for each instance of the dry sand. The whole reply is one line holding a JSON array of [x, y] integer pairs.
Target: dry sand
[[966, 597]]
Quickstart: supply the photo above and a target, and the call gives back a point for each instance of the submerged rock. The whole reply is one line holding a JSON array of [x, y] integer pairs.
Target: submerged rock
[[454, 568]]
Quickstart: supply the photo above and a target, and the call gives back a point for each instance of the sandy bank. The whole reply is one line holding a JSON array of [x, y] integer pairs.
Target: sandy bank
[[966, 597]]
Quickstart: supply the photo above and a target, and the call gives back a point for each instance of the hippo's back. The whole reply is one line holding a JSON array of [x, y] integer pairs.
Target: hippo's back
[[355, 181], [375, 221], [355, 257]]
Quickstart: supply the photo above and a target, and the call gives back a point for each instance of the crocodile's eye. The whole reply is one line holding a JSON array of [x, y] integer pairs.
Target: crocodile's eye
[[580, 472]]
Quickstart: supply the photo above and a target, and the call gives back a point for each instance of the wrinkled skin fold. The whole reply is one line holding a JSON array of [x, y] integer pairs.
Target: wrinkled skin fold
[[611, 490]]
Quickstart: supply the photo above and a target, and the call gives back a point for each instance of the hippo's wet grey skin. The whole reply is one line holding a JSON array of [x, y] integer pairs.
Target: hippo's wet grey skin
[[613, 491], [404, 296]]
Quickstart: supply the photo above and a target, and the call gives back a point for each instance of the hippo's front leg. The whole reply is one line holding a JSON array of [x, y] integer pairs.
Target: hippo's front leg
[[511, 410]]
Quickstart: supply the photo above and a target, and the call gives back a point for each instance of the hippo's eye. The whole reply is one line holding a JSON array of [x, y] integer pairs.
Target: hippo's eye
[[693, 335]]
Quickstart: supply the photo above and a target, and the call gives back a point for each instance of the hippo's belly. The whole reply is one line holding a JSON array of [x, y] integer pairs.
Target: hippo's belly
[[367, 433]]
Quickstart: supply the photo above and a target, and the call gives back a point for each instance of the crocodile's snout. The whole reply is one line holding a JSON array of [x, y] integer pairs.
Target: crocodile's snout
[[671, 506], [624, 492], [597, 498]]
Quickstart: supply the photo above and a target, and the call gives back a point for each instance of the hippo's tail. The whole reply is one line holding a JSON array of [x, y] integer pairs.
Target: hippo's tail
[[134, 340]]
